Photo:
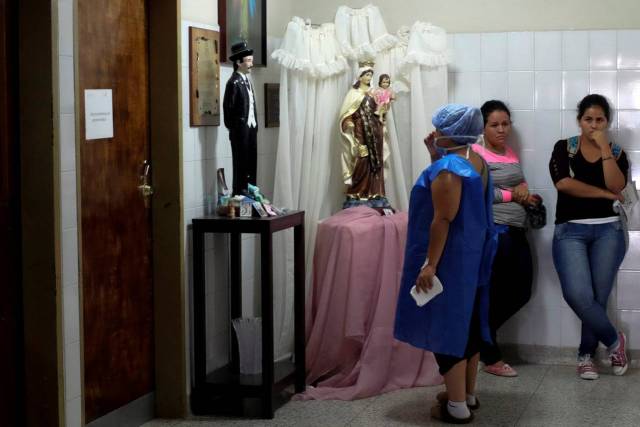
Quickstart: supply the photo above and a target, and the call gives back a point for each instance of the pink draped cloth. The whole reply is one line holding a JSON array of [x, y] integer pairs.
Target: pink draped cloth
[[351, 352]]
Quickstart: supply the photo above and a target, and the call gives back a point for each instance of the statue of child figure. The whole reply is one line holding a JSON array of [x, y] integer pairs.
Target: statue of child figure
[[383, 95]]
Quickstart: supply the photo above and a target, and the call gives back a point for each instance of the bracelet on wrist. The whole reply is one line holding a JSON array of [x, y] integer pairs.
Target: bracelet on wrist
[[607, 158]]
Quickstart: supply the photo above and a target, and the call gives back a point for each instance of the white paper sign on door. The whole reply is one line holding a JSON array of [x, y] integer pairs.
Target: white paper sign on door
[[98, 113]]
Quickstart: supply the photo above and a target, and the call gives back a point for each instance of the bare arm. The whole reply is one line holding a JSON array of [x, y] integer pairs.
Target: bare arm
[[446, 191], [576, 188], [560, 169]]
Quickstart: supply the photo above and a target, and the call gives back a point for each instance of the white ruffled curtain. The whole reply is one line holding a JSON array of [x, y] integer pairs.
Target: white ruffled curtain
[[307, 177], [318, 65], [361, 33], [425, 64]]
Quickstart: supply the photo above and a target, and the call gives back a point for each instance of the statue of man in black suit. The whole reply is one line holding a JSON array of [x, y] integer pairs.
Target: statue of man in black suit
[[241, 118]]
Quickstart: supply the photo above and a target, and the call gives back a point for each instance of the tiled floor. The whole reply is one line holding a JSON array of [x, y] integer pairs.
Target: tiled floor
[[541, 396]]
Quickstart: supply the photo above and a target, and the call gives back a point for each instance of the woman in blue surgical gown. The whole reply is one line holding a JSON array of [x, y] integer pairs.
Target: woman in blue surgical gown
[[451, 236]]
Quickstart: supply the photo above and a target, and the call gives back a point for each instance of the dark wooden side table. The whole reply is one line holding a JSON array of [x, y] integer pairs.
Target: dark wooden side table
[[222, 390]]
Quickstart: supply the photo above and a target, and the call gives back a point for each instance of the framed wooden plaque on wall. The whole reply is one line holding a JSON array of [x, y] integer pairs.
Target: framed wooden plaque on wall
[[271, 105], [204, 77]]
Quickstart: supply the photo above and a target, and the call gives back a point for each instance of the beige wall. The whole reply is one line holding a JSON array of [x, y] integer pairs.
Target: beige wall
[[486, 15], [280, 12], [203, 11]]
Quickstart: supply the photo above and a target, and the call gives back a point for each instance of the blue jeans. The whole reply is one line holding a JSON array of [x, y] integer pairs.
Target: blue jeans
[[587, 257]]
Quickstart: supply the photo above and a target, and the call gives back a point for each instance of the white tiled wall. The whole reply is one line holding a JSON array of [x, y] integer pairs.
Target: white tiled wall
[[66, 133], [542, 76], [205, 149]]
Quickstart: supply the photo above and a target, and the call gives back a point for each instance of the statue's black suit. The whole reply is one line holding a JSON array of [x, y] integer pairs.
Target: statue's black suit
[[243, 138]]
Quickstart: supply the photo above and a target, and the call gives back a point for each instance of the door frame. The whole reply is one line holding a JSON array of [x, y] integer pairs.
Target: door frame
[[40, 212], [12, 391], [44, 397], [170, 295]]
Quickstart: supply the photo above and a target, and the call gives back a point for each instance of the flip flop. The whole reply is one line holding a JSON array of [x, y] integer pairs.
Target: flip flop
[[501, 371], [443, 398], [440, 412]]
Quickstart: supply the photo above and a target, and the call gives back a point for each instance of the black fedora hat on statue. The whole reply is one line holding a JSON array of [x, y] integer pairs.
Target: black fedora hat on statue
[[239, 50]]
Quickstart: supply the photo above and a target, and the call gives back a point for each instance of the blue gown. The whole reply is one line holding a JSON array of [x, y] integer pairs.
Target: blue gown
[[442, 325]]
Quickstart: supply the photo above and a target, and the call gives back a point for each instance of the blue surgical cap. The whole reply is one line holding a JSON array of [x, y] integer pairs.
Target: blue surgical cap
[[458, 120]]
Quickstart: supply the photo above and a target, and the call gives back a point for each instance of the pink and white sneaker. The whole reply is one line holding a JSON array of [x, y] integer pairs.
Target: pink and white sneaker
[[586, 368], [619, 361]]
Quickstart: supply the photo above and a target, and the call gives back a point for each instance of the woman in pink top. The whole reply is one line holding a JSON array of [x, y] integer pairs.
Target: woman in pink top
[[512, 273]]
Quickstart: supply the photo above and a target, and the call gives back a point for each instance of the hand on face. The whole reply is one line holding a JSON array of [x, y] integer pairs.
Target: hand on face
[[593, 125], [429, 141], [600, 137]]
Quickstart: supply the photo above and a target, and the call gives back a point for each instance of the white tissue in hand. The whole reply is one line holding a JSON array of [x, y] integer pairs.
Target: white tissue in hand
[[424, 297]]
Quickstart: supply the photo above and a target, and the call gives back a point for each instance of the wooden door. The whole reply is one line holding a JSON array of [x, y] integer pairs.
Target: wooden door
[[116, 247], [11, 391]]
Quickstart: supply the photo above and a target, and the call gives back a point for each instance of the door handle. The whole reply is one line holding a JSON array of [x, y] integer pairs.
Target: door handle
[[145, 189]]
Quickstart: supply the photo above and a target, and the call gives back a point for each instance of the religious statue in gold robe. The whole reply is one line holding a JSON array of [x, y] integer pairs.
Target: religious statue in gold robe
[[364, 151]]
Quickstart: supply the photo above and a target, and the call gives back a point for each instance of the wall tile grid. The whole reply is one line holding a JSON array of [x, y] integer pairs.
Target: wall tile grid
[[542, 76], [66, 132], [205, 149]]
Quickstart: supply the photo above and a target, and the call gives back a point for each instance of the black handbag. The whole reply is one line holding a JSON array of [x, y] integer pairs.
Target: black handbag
[[536, 215]]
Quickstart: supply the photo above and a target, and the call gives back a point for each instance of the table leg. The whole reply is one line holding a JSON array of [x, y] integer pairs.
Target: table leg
[[299, 306], [266, 269], [199, 308], [235, 294]]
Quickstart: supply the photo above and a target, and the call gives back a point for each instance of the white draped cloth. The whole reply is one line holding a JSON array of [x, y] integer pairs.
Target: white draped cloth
[[425, 65], [361, 33], [313, 81], [312, 51], [388, 62], [318, 66]]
